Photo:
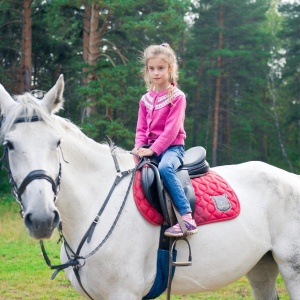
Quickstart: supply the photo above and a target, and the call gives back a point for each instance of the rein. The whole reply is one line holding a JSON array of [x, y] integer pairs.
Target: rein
[[75, 257]]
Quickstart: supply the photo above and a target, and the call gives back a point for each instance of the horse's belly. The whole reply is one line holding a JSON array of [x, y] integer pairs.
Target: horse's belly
[[221, 254]]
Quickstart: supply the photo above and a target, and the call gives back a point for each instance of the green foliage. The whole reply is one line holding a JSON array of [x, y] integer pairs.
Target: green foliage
[[289, 35], [10, 35], [256, 41], [243, 47], [4, 185], [116, 95]]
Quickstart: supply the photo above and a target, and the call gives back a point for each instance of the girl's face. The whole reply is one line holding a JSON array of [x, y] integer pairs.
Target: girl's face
[[159, 72]]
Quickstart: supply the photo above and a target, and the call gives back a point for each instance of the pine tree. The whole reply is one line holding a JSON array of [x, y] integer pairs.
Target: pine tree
[[119, 85], [290, 35], [26, 49], [287, 81], [10, 34], [229, 61]]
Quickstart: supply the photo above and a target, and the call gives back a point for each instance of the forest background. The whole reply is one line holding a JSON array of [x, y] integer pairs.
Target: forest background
[[239, 67]]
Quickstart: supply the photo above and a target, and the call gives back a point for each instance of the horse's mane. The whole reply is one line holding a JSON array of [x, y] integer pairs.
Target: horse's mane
[[74, 130], [28, 107], [71, 128]]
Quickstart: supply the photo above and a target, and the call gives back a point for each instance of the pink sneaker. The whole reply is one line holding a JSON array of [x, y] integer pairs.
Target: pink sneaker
[[175, 231]]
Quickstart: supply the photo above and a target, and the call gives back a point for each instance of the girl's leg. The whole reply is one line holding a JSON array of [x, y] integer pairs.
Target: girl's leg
[[171, 160]]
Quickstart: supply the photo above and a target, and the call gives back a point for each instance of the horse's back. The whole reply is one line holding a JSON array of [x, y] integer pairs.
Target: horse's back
[[264, 190]]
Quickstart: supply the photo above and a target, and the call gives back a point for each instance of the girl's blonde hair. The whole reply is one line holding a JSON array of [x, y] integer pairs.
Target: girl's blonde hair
[[168, 55]]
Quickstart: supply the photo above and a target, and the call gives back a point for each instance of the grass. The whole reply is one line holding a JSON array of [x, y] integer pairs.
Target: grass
[[24, 274]]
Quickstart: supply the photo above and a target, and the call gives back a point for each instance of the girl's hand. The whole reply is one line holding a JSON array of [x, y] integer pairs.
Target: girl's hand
[[135, 151], [144, 152]]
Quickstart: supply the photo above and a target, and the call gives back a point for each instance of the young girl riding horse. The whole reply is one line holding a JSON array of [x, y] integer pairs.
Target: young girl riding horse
[[160, 124]]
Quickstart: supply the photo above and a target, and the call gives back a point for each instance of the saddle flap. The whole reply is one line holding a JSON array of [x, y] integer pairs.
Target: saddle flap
[[149, 187], [147, 180]]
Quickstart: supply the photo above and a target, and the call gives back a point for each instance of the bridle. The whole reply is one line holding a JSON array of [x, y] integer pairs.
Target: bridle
[[33, 175]]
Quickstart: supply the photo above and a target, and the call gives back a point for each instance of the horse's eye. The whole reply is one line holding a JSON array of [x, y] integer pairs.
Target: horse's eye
[[9, 145], [58, 143]]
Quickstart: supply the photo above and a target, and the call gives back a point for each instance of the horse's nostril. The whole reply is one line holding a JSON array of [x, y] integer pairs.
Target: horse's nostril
[[56, 218], [28, 221]]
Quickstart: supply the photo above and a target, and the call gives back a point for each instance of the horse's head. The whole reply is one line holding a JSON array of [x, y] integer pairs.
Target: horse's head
[[32, 155]]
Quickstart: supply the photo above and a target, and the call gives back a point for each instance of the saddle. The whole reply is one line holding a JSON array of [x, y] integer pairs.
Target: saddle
[[194, 165]]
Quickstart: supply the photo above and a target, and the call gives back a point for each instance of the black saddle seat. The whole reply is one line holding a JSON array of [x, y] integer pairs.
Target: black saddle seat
[[194, 161]]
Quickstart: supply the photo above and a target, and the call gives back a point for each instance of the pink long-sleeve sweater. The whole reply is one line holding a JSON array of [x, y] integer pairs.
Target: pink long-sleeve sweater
[[161, 122]]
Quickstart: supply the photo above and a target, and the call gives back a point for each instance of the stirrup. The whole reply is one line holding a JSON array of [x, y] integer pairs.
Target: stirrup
[[180, 263], [176, 264]]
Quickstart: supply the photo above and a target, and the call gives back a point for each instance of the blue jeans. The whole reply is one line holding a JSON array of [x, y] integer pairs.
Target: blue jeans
[[170, 161]]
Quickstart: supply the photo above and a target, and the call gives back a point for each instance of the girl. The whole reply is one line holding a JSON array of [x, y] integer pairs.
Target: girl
[[160, 125]]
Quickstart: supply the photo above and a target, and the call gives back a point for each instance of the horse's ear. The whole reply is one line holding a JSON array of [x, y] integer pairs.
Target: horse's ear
[[53, 100], [5, 100]]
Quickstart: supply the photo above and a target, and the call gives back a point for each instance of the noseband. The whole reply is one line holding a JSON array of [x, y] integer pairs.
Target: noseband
[[33, 175]]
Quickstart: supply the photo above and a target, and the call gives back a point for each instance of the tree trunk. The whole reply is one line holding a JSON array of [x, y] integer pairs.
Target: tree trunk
[[276, 119], [227, 137], [93, 38], [264, 136], [26, 52], [197, 106], [218, 91], [93, 52], [85, 47], [86, 37], [182, 50]]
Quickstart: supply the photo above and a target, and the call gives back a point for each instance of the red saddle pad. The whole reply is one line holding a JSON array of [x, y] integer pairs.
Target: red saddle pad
[[215, 200]]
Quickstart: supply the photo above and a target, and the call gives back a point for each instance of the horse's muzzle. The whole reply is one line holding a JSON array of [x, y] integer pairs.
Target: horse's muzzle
[[41, 226]]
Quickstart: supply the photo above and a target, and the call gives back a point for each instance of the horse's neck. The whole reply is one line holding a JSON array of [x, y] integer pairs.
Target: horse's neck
[[86, 181]]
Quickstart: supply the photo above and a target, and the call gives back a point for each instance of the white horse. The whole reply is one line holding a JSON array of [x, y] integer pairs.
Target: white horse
[[120, 259]]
